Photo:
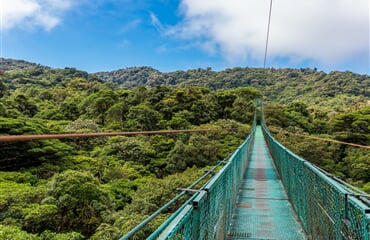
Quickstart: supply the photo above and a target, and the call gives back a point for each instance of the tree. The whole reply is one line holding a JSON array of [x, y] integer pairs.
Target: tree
[[145, 201], [225, 100], [22, 154], [353, 126], [106, 232], [129, 149], [115, 115], [38, 217], [25, 106], [358, 162], [82, 125], [242, 111], [142, 117], [199, 152], [3, 89], [80, 201], [69, 107], [158, 93], [299, 107], [14, 232], [204, 111], [49, 235], [3, 110], [174, 123], [97, 104]]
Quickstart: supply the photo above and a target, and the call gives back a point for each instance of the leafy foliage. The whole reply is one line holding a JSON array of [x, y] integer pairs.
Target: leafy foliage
[[99, 188], [344, 161], [333, 91]]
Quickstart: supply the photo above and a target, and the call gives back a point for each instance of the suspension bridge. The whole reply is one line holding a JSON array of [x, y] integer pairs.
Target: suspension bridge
[[265, 191]]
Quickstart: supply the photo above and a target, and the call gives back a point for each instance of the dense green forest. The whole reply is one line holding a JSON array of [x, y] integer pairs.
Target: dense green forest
[[334, 92], [99, 188]]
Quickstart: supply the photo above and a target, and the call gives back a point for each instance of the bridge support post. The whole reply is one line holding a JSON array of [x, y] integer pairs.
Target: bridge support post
[[196, 220], [368, 225]]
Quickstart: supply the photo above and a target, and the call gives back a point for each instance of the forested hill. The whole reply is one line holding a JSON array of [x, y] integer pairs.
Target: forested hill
[[342, 89], [280, 85], [10, 64]]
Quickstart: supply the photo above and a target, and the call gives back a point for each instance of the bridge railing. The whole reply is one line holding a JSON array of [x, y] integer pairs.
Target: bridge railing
[[326, 207], [207, 214]]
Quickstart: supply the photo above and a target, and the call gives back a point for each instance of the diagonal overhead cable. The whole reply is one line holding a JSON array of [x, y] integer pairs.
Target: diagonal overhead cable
[[267, 35]]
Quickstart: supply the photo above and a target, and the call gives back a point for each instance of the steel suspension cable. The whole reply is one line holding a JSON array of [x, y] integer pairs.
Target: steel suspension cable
[[267, 35], [321, 139], [14, 138]]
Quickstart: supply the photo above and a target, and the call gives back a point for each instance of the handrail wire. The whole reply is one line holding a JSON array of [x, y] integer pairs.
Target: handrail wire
[[352, 190], [173, 200], [327, 207]]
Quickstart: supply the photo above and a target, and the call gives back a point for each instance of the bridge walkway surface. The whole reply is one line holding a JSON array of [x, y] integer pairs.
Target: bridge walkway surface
[[263, 210]]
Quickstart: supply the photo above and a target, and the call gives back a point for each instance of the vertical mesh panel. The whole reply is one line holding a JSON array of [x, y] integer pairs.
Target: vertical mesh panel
[[208, 215], [326, 208], [356, 224]]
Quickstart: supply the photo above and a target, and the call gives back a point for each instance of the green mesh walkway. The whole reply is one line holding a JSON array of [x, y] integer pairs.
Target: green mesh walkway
[[262, 210]]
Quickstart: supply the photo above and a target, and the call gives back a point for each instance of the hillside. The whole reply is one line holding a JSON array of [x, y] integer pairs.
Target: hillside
[[99, 188], [7, 64], [343, 89], [329, 92]]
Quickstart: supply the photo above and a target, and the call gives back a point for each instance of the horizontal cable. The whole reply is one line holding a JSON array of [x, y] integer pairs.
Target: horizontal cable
[[321, 139], [14, 138]]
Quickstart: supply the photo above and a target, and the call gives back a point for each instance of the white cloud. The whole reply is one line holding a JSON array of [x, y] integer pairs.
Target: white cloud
[[325, 31], [31, 13], [155, 22]]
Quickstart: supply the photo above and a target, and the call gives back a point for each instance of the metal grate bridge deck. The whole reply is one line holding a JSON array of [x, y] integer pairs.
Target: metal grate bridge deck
[[263, 210]]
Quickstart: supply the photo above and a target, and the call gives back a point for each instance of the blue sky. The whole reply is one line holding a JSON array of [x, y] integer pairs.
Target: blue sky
[[170, 35]]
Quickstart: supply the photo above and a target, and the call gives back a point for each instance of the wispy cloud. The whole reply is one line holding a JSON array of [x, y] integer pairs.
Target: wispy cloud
[[124, 44], [324, 31], [155, 22], [131, 25], [31, 13]]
